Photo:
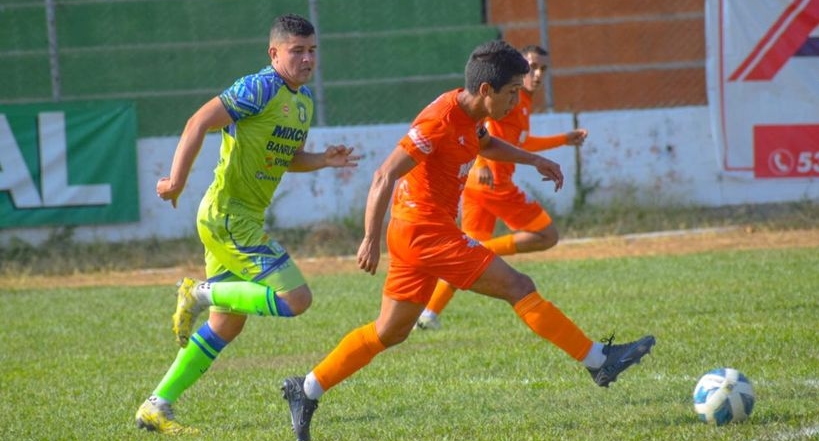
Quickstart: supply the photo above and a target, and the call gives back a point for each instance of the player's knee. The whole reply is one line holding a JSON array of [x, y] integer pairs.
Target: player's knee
[[227, 326], [299, 300], [393, 338], [524, 284], [391, 331], [393, 335], [547, 238], [520, 285]]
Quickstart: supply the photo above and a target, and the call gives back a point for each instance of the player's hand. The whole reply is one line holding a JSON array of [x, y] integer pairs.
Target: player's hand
[[577, 137], [550, 171], [166, 191], [340, 156], [369, 253], [485, 177]]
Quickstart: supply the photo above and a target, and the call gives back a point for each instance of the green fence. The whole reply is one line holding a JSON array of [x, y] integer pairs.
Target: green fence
[[381, 61]]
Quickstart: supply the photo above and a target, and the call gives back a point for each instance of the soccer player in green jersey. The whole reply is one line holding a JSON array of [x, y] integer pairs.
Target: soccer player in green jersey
[[264, 119]]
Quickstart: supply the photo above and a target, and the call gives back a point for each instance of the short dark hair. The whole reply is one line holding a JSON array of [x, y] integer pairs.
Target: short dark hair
[[534, 49], [495, 62], [290, 24]]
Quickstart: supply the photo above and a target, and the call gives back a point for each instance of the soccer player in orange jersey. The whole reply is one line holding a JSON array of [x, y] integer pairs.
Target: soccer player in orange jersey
[[490, 192], [427, 171]]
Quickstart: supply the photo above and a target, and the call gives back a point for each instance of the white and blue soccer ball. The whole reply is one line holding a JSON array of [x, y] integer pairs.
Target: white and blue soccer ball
[[723, 396]]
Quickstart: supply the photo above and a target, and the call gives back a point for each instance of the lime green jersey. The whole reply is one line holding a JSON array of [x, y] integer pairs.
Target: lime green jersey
[[270, 123]]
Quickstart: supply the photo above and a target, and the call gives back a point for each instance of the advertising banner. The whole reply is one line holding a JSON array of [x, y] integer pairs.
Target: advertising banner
[[763, 86], [68, 164]]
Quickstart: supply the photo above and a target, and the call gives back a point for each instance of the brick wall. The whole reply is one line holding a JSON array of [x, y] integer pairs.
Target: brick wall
[[614, 54]]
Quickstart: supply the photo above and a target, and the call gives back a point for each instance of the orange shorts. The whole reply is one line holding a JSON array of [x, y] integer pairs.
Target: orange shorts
[[422, 253], [512, 205]]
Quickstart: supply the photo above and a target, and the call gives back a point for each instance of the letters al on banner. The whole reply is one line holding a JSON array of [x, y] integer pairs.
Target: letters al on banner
[[68, 164], [763, 88]]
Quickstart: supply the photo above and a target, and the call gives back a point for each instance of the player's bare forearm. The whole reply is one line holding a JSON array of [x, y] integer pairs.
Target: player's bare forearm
[[169, 188], [306, 161], [333, 156], [500, 150], [377, 200], [396, 165], [211, 115]]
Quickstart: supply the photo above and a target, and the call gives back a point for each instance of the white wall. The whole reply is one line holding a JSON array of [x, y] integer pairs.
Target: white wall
[[668, 156], [659, 156]]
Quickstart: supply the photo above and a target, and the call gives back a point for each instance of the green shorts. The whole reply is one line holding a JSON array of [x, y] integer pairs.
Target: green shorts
[[238, 248]]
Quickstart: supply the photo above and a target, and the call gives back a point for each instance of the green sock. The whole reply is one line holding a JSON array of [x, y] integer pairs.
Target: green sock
[[249, 298], [190, 364]]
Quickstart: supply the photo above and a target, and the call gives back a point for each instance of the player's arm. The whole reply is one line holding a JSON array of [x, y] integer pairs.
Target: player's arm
[[396, 165], [485, 176], [484, 172], [540, 143], [500, 150], [333, 156], [492, 147], [211, 116]]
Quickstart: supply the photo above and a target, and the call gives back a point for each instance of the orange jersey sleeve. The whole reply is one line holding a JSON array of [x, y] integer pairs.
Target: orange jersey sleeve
[[443, 140], [540, 143], [496, 129]]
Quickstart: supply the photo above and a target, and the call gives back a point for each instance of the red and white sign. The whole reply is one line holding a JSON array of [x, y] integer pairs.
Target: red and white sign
[[763, 85], [783, 151]]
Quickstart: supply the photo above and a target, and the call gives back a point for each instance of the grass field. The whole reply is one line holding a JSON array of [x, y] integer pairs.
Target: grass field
[[76, 363]]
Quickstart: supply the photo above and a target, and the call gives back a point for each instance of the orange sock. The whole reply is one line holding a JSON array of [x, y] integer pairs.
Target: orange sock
[[502, 245], [550, 323], [355, 351], [440, 297]]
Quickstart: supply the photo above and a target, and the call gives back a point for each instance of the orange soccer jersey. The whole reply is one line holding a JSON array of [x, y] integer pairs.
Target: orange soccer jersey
[[443, 140], [514, 129], [483, 204], [424, 241]]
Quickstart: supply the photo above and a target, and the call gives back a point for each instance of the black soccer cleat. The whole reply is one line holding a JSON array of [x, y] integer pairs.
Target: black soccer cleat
[[619, 358], [301, 407]]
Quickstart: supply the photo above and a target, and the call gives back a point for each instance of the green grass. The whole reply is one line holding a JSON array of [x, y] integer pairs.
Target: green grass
[[76, 363], [338, 237]]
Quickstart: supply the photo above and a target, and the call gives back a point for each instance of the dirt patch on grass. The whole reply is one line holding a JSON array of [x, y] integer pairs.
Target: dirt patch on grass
[[652, 244]]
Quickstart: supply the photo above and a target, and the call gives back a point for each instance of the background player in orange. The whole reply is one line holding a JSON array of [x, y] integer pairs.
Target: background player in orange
[[427, 170], [490, 192]]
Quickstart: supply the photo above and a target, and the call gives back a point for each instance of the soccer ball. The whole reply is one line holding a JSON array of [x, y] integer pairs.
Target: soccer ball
[[723, 396]]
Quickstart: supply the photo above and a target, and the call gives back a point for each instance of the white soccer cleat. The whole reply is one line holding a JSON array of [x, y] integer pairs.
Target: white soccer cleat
[[427, 323]]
